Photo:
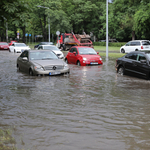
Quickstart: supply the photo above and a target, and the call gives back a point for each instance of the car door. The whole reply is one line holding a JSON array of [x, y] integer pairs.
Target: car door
[[130, 62], [127, 47], [24, 63], [74, 56], [12, 47], [142, 67], [70, 55]]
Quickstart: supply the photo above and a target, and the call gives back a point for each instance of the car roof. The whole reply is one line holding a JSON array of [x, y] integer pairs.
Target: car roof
[[138, 40], [48, 45], [81, 46], [35, 50], [146, 51]]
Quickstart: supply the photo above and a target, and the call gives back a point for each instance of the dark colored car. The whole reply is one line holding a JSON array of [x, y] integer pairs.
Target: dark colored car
[[43, 43], [136, 63], [83, 56], [4, 46]]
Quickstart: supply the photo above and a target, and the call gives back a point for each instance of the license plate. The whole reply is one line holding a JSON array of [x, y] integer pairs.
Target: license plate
[[54, 73], [94, 63]]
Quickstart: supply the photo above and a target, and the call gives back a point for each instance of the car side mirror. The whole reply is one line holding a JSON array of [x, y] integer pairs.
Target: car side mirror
[[74, 53], [97, 53], [25, 58], [143, 61]]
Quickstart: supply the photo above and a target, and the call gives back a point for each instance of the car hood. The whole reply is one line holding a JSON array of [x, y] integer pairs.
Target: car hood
[[49, 62], [91, 57]]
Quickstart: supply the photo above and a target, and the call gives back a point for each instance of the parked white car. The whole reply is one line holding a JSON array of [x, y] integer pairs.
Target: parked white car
[[54, 49], [136, 45], [18, 47]]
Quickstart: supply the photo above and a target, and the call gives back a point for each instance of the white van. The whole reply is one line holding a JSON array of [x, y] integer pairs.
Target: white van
[[135, 45]]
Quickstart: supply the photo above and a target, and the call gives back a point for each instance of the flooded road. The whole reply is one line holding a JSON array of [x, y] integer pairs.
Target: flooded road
[[91, 109]]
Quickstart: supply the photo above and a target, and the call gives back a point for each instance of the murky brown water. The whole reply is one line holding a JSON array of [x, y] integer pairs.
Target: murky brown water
[[92, 109]]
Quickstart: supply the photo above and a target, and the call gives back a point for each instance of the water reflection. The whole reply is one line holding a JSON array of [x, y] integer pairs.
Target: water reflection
[[92, 108]]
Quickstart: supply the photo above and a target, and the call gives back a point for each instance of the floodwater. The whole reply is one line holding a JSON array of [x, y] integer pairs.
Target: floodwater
[[91, 109]]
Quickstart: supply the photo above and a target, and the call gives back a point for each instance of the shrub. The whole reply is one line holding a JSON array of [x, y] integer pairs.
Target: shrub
[[113, 44]]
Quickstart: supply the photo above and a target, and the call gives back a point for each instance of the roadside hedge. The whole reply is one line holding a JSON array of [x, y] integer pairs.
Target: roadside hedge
[[113, 44]]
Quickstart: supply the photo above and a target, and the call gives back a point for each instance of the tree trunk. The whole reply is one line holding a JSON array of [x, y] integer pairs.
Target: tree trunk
[[24, 32], [133, 35]]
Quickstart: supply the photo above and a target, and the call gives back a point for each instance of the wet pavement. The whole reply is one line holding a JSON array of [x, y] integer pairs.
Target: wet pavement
[[91, 109]]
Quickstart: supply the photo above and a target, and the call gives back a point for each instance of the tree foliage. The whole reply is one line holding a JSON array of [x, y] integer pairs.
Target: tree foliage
[[128, 19]]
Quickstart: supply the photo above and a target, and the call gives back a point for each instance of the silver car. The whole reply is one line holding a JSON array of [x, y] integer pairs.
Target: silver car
[[41, 62]]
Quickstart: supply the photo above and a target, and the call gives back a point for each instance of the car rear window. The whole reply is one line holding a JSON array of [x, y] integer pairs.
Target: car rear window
[[145, 43]]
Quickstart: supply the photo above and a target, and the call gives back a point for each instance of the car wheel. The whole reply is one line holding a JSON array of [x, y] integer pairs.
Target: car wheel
[[122, 50], [78, 63], [121, 71], [14, 51], [66, 61], [18, 67], [136, 50], [30, 72]]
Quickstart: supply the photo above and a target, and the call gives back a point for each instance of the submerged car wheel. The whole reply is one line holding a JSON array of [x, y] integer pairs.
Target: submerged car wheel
[[122, 50], [121, 71], [30, 72], [78, 63], [18, 67]]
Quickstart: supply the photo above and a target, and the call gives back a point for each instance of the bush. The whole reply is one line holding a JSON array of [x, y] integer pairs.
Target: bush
[[113, 44]]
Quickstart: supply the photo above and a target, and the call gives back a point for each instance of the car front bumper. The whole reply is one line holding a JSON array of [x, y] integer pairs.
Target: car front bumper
[[51, 72]]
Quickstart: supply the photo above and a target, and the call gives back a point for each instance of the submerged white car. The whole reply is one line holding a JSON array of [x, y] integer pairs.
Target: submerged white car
[[54, 49], [18, 47]]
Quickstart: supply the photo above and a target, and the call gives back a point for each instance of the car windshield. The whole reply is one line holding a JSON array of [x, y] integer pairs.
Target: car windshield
[[20, 44], [46, 43], [50, 47], [3, 43], [87, 51], [42, 55], [145, 43]]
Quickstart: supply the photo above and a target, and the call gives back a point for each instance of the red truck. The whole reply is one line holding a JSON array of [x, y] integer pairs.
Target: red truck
[[67, 40]]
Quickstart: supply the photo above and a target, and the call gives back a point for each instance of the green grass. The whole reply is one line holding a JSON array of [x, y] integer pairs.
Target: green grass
[[103, 48], [6, 140], [111, 55]]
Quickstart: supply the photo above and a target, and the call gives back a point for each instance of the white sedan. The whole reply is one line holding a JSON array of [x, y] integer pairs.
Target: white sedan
[[54, 49], [18, 47]]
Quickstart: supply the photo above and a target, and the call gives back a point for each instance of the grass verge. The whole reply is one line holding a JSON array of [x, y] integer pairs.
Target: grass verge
[[6, 140]]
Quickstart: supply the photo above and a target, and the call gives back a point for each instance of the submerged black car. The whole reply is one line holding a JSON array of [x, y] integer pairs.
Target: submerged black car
[[136, 63]]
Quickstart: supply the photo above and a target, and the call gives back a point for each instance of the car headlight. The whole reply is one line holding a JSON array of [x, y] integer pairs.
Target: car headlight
[[38, 68], [65, 66], [84, 58], [100, 58]]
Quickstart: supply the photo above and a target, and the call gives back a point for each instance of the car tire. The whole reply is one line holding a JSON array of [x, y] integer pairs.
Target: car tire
[[136, 50], [78, 63], [121, 71], [14, 51], [30, 72], [18, 67], [122, 50]]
